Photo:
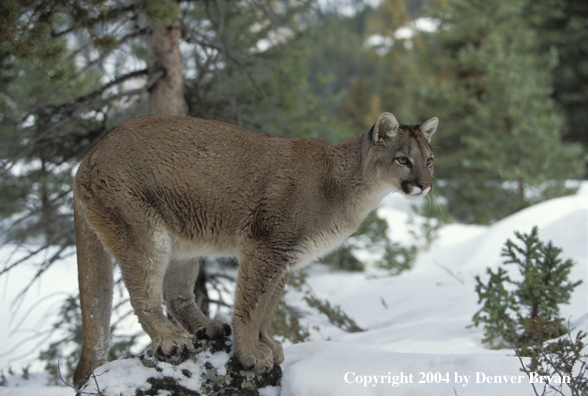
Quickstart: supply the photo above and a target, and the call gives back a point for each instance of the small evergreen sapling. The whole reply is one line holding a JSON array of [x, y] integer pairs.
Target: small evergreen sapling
[[528, 312], [544, 284]]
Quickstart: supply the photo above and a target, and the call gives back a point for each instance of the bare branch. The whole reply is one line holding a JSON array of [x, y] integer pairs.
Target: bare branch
[[34, 253], [44, 267]]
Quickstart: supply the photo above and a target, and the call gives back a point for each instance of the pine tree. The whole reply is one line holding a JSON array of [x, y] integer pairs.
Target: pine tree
[[502, 148]]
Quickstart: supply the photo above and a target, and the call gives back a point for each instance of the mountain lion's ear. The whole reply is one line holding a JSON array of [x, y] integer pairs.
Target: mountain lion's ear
[[429, 127], [386, 127]]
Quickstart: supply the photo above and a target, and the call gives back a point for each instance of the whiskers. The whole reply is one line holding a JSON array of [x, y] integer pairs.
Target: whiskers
[[433, 202]]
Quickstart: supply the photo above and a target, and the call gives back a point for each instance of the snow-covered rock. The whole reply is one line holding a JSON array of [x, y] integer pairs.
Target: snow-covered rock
[[212, 370]]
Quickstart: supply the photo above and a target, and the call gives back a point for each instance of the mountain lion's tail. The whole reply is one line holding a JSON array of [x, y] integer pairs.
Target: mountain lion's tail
[[95, 276]]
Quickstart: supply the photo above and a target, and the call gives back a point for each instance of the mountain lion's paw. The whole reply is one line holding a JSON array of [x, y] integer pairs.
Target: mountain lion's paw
[[258, 359], [276, 347], [215, 329], [173, 344], [278, 352]]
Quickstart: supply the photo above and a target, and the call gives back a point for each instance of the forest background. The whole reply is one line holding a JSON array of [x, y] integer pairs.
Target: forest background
[[508, 80]]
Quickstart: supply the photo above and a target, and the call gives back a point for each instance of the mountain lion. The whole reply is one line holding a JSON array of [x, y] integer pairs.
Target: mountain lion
[[161, 191]]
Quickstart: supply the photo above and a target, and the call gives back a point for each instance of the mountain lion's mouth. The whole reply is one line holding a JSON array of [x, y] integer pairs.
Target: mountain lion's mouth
[[418, 193], [425, 191]]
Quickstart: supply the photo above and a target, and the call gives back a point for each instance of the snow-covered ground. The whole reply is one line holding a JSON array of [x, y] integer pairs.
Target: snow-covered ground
[[416, 340]]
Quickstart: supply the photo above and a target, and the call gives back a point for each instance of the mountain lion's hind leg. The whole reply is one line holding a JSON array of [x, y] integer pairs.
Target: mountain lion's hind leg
[[178, 292], [143, 257]]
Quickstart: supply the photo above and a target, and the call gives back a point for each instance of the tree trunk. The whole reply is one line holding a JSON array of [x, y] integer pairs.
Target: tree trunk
[[166, 96]]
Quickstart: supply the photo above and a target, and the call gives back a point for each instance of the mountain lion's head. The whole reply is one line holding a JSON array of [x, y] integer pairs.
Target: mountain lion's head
[[402, 155]]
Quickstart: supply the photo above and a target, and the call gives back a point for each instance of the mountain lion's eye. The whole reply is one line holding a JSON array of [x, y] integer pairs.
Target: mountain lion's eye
[[430, 161], [402, 160]]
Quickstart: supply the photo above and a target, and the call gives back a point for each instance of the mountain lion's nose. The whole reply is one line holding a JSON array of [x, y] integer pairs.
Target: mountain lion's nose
[[424, 186]]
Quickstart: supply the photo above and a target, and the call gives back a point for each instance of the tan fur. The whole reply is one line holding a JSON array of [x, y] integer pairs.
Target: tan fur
[[160, 191]]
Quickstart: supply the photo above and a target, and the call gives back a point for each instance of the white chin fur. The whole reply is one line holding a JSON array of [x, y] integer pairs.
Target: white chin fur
[[414, 197]]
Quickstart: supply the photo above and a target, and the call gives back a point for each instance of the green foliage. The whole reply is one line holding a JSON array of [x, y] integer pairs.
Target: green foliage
[[36, 31], [525, 312], [489, 81]]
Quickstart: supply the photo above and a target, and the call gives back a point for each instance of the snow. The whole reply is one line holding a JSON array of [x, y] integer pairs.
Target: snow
[[416, 341]]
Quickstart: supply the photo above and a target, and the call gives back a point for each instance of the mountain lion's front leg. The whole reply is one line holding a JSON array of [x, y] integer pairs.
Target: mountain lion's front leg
[[260, 274], [266, 333]]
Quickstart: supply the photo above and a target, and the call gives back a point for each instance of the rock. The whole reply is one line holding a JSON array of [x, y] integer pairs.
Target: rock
[[212, 370]]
